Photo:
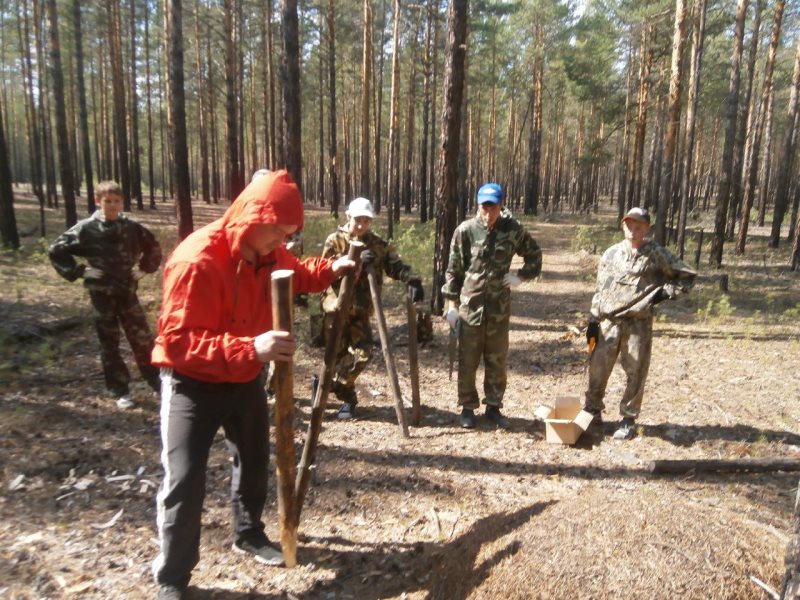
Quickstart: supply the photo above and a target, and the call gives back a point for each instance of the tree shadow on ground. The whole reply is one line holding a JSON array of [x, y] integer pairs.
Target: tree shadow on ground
[[448, 570], [385, 412], [196, 593], [688, 435]]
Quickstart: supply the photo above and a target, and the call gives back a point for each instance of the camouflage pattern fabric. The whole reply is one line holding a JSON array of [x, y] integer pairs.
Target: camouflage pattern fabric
[[355, 349], [629, 285], [115, 247], [355, 352], [387, 261], [479, 258], [631, 341], [490, 341], [628, 280], [110, 312]]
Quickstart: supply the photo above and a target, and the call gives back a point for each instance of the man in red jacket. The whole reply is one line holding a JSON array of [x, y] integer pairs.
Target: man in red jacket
[[214, 336]]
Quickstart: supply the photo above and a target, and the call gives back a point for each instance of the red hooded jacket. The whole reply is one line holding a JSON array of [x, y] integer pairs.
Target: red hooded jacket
[[215, 302]]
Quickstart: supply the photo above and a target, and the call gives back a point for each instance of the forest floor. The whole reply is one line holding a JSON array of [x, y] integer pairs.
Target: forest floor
[[447, 513]]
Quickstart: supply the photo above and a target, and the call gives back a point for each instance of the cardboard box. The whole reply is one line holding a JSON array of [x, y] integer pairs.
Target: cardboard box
[[564, 420]]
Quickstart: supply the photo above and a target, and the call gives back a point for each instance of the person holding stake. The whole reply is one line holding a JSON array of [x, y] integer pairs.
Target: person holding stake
[[214, 337], [355, 350], [633, 277]]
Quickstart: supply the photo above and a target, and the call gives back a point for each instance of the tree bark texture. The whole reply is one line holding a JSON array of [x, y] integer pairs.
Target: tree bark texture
[[179, 145], [449, 144], [291, 90], [726, 174]]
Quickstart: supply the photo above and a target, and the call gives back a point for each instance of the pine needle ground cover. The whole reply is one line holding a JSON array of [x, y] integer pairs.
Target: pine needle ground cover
[[448, 513]]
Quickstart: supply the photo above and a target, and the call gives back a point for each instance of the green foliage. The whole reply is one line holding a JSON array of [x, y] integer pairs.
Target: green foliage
[[595, 238], [793, 313], [716, 309]]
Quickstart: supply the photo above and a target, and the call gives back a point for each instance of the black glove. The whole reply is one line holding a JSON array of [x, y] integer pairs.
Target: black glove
[[415, 291], [525, 274], [367, 257], [592, 331], [660, 296]]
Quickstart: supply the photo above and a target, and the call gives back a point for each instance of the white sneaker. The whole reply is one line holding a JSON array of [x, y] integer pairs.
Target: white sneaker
[[124, 402]]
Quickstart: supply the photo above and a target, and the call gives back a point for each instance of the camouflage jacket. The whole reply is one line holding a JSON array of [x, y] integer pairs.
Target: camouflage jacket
[[629, 280], [480, 258], [387, 261], [114, 247]]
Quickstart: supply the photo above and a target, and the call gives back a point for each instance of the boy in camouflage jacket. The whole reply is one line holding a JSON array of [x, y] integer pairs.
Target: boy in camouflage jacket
[[634, 275], [477, 288], [355, 350], [118, 252]]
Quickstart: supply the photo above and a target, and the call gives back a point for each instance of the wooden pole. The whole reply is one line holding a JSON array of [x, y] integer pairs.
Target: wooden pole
[[699, 248], [387, 349], [320, 401], [758, 465], [413, 361], [282, 320]]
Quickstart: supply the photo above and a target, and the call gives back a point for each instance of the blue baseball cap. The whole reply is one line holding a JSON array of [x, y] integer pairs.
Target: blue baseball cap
[[490, 193]]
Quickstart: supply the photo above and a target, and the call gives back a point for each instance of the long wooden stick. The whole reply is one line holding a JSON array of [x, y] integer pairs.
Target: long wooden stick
[[681, 467], [413, 361], [333, 338], [387, 349], [282, 320]]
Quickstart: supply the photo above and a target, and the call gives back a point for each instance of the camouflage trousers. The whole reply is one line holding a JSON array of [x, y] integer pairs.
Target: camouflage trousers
[[355, 352], [110, 312], [631, 341], [489, 341]]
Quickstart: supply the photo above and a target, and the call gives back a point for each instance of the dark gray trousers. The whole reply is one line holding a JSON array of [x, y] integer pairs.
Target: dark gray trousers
[[191, 413]]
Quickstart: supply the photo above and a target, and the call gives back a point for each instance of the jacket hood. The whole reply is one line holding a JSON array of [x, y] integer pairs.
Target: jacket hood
[[272, 199]]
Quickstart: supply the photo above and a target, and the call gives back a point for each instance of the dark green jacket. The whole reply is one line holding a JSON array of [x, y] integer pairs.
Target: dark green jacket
[[479, 259], [115, 247]]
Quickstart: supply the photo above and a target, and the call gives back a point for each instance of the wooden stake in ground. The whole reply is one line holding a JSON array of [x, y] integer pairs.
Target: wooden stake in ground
[[282, 320], [320, 400], [413, 361], [387, 350]]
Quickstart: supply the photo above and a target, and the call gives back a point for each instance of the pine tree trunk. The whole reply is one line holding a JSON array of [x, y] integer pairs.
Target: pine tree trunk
[[698, 39], [673, 121], [86, 150], [742, 133], [202, 109], [118, 88], [446, 174], [646, 61], [766, 93], [64, 156], [426, 108], [8, 223], [727, 173], [392, 167], [332, 144], [183, 201], [291, 89], [44, 112], [535, 140], [410, 125], [783, 175], [235, 183], [136, 165], [624, 158], [366, 95]]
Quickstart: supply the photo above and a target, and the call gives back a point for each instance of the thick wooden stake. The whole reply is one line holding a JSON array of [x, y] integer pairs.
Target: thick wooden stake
[[413, 361], [759, 465], [699, 248], [332, 338], [387, 350], [282, 320]]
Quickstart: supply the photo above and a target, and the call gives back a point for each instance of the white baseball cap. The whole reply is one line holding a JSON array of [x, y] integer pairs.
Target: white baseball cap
[[360, 207]]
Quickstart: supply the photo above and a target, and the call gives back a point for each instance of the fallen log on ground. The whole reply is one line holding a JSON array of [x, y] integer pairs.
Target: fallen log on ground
[[734, 465]]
